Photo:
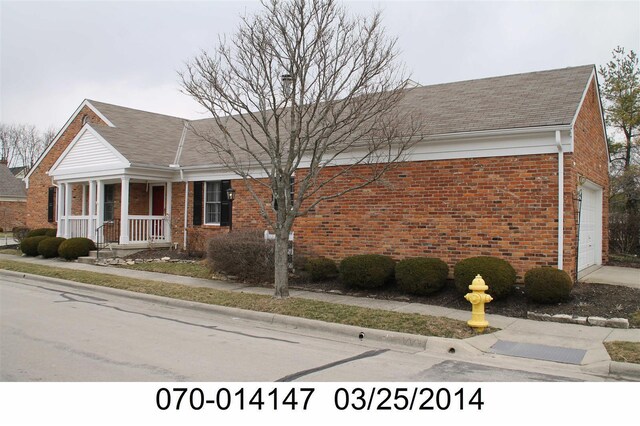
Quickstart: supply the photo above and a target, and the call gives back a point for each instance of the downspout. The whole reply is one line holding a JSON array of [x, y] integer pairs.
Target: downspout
[[176, 164], [186, 206], [560, 200]]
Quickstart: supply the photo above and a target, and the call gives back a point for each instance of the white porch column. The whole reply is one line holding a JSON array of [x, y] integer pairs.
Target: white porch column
[[124, 210], [60, 210], [67, 210], [167, 222], [99, 210], [91, 232], [84, 200]]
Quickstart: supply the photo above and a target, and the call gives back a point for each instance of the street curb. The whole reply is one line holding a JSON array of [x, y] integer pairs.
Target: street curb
[[440, 344], [625, 369]]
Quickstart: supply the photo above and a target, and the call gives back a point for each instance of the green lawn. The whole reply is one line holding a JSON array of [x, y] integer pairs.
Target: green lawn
[[311, 309]]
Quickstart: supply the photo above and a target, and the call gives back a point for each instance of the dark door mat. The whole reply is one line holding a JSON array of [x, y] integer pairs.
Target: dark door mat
[[541, 352]]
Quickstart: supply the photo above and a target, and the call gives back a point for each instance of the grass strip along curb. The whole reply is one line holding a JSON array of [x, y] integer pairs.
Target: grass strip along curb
[[424, 325], [624, 351]]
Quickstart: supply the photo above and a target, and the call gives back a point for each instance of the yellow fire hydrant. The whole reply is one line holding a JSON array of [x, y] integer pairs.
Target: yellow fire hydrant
[[478, 298]]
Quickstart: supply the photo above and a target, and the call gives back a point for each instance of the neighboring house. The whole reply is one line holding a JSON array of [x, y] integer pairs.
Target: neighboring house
[[13, 199], [513, 166], [20, 172]]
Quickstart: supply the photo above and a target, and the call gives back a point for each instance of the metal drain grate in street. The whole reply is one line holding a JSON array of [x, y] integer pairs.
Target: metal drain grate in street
[[541, 352]]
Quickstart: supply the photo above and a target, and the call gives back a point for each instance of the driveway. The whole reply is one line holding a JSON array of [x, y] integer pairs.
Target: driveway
[[616, 275]]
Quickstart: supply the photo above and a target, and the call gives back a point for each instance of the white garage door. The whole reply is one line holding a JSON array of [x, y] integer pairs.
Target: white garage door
[[590, 237]]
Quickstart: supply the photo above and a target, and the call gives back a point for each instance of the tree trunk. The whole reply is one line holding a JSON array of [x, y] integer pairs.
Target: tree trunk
[[281, 265]]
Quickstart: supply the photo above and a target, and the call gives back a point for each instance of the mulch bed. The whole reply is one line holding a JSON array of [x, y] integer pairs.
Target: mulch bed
[[159, 254], [601, 300]]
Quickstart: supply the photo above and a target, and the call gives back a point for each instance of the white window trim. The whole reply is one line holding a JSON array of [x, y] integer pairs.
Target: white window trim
[[205, 202]]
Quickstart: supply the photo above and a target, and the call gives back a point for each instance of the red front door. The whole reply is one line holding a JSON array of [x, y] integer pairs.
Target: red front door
[[157, 200]]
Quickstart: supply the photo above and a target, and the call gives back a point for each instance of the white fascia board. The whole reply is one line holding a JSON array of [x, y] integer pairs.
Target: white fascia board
[[144, 173], [64, 128], [98, 113], [74, 177], [498, 143], [88, 129], [481, 146], [592, 79], [212, 174]]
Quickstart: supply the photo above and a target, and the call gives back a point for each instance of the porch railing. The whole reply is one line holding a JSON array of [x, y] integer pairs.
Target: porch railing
[[107, 233], [147, 228], [78, 226]]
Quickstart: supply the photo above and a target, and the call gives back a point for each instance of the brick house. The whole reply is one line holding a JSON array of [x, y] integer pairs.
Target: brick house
[[13, 199], [513, 166]]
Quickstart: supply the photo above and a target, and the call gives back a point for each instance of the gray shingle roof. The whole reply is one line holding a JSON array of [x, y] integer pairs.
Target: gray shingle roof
[[10, 186], [142, 137], [537, 99]]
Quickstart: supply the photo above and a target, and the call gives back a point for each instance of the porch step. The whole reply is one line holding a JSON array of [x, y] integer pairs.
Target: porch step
[[119, 250], [87, 259]]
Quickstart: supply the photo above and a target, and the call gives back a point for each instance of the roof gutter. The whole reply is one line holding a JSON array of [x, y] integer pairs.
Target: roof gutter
[[560, 200]]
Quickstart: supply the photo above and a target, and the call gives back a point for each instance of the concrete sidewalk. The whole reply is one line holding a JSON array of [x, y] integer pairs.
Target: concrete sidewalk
[[615, 275], [581, 346]]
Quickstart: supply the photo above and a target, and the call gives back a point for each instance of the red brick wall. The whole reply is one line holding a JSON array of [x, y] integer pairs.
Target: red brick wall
[[589, 160], [12, 214], [451, 209], [39, 181], [245, 215], [138, 199]]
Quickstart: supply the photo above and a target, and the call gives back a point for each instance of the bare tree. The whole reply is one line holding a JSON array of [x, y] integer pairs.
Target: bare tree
[[22, 144], [304, 86]]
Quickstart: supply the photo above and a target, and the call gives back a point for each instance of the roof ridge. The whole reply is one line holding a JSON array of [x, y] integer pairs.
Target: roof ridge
[[503, 76], [94, 102]]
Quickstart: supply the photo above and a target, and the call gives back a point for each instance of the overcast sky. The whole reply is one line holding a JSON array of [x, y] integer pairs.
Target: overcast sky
[[55, 54]]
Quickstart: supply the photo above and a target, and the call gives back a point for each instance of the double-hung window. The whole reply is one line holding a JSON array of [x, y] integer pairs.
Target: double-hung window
[[212, 204]]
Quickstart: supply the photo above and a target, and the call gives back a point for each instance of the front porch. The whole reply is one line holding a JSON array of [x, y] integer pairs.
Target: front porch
[[127, 212]]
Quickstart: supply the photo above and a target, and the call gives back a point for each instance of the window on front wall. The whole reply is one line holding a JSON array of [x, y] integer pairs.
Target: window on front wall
[[212, 204], [109, 201]]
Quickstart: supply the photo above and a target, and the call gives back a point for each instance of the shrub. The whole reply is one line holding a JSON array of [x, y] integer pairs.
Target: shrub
[[421, 275], [547, 285], [29, 246], [48, 247], [367, 270], [498, 274], [20, 233], [243, 254], [320, 268], [74, 248], [48, 232]]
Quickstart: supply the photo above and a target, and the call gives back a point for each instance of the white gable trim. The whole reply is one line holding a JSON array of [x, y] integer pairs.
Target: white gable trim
[[64, 128], [121, 159], [592, 79]]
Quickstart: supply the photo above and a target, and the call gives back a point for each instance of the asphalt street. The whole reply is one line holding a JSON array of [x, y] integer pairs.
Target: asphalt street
[[51, 332]]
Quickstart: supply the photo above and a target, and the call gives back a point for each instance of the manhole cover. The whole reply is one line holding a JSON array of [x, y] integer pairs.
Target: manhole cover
[[542, 352]]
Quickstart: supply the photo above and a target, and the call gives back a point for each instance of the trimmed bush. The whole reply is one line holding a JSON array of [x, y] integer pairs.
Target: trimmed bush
[[421, 275], [47, 232], [29, 246], [498, 274], [367, 270], [20, 233], [48, 247], [74, 248], [243, 254], [547, 285], [320, 268]]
